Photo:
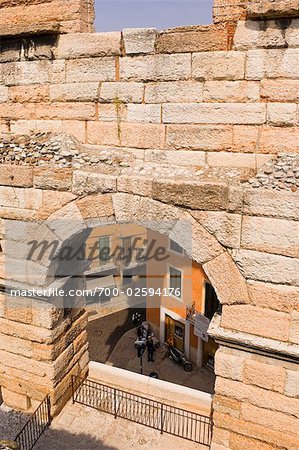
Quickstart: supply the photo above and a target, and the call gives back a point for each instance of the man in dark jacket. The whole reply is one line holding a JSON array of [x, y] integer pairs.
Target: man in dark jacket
[[150, 349]]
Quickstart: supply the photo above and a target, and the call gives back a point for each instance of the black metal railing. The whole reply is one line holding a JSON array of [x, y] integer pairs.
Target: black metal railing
[[36, 425], [165, 418]]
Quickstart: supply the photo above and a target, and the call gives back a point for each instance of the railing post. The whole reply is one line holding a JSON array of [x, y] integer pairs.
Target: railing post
[[49, 410], [73, 391], [162, 420], [115, 404]]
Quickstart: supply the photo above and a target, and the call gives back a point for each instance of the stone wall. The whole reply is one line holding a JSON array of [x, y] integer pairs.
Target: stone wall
[[196, 124], [29, 17], [193, 90]]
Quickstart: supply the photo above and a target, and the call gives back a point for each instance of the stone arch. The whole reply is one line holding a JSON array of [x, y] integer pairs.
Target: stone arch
[[61, 348]]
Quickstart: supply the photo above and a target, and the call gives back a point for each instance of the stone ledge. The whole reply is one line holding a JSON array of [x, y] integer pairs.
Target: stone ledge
[[272, 9], [251, 343], [30, 30]]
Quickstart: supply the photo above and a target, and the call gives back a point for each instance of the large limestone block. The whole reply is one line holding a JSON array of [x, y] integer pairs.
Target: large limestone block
[[88, 183], [227, 280], [10, 177], [204, 195], [257, 396], [268, 376], [83, 45], [268, 267], [125, 92], [193, 39], [15, 400], [222, 113], [26, 72], [226, 227], [280, 204], [144, 113], [81, 92], [274, 296], [90, 69], [278, 140], [156, 67], [263, 322], [282, 114], [272, 63], [231, 91], [218, 65], [294, 330], [199, 137], [270, 235], [229, 365], [268, 8], [292, 383], [139, 40], [174, 92], [280, 90]]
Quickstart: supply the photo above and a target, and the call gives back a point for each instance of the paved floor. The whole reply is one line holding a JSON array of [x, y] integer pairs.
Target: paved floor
[[11, 422], [82, 428], [124, 356]]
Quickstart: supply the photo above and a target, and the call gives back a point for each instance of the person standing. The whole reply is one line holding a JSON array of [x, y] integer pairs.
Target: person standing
[[150, 349]]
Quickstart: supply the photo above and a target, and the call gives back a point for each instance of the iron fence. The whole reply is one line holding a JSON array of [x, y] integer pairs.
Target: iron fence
[[36, 425], [165, 418]]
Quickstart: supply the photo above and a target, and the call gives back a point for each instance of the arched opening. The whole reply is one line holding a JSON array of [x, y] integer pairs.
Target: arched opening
[[60, 265]]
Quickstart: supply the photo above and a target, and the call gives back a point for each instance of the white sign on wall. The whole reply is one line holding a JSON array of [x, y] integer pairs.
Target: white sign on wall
[[201, 326]]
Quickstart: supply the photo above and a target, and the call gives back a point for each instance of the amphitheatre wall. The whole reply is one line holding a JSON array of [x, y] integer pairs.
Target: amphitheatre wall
[[195, 123]]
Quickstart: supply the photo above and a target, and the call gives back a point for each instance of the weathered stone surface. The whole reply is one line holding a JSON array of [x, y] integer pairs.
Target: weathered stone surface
[[273, 63], [218, 65], [231, 91], [89, 183], [270, 235], [268, 267], [266, 34], [83, 45], [10, 177], [126, 134], [125, 206], [199, 137], [280, 90], [156, 67], [27, 72], [79, 92], [198, 243], [292, 383], [282, 114], [96, 206], [90, 69], [144, 113], [257, 396], [208, 196], [267, 376], [294, 329], [126, 92], [15, 400], [135, 185], [3, 93], [226, 227], [266, 323], [175, 92], [139, 40], [231, 159], [278, 139], [278, 297], [224, 113], [60, 179], [193, 39], [263, 202], [229, 365], [30, 94], [223, 273], [268, 8]]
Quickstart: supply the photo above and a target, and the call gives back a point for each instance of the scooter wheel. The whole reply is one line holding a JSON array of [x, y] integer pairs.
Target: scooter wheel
[[188, 367]]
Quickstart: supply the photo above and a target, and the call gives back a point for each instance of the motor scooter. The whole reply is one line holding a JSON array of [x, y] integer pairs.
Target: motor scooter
[[179, 358]]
